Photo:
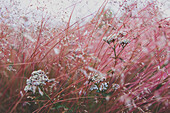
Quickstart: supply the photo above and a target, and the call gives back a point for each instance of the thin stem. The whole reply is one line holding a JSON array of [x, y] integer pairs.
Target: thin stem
[[45, 94], [114, 51]]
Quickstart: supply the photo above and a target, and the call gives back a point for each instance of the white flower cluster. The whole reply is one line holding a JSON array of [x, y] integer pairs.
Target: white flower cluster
[[109, 39], [101, 87], [121, 39], [124, 41], [38, 78], [104, 86]]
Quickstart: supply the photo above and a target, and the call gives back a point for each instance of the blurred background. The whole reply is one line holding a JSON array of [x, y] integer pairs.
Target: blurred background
[[59, 11]]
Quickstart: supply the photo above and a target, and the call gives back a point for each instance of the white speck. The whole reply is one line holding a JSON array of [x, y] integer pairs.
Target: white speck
[[143, 63], [80, 92], [21, 94], [8, 60], [107, 98], [57, 51]]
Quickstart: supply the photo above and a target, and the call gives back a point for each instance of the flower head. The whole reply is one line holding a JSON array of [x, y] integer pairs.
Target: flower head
[[37, 78]]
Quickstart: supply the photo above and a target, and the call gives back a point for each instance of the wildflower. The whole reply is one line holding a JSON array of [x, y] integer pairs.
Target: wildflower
[[37, 79], [94, 87], [109, 39], [104, 86], [124, 42]]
